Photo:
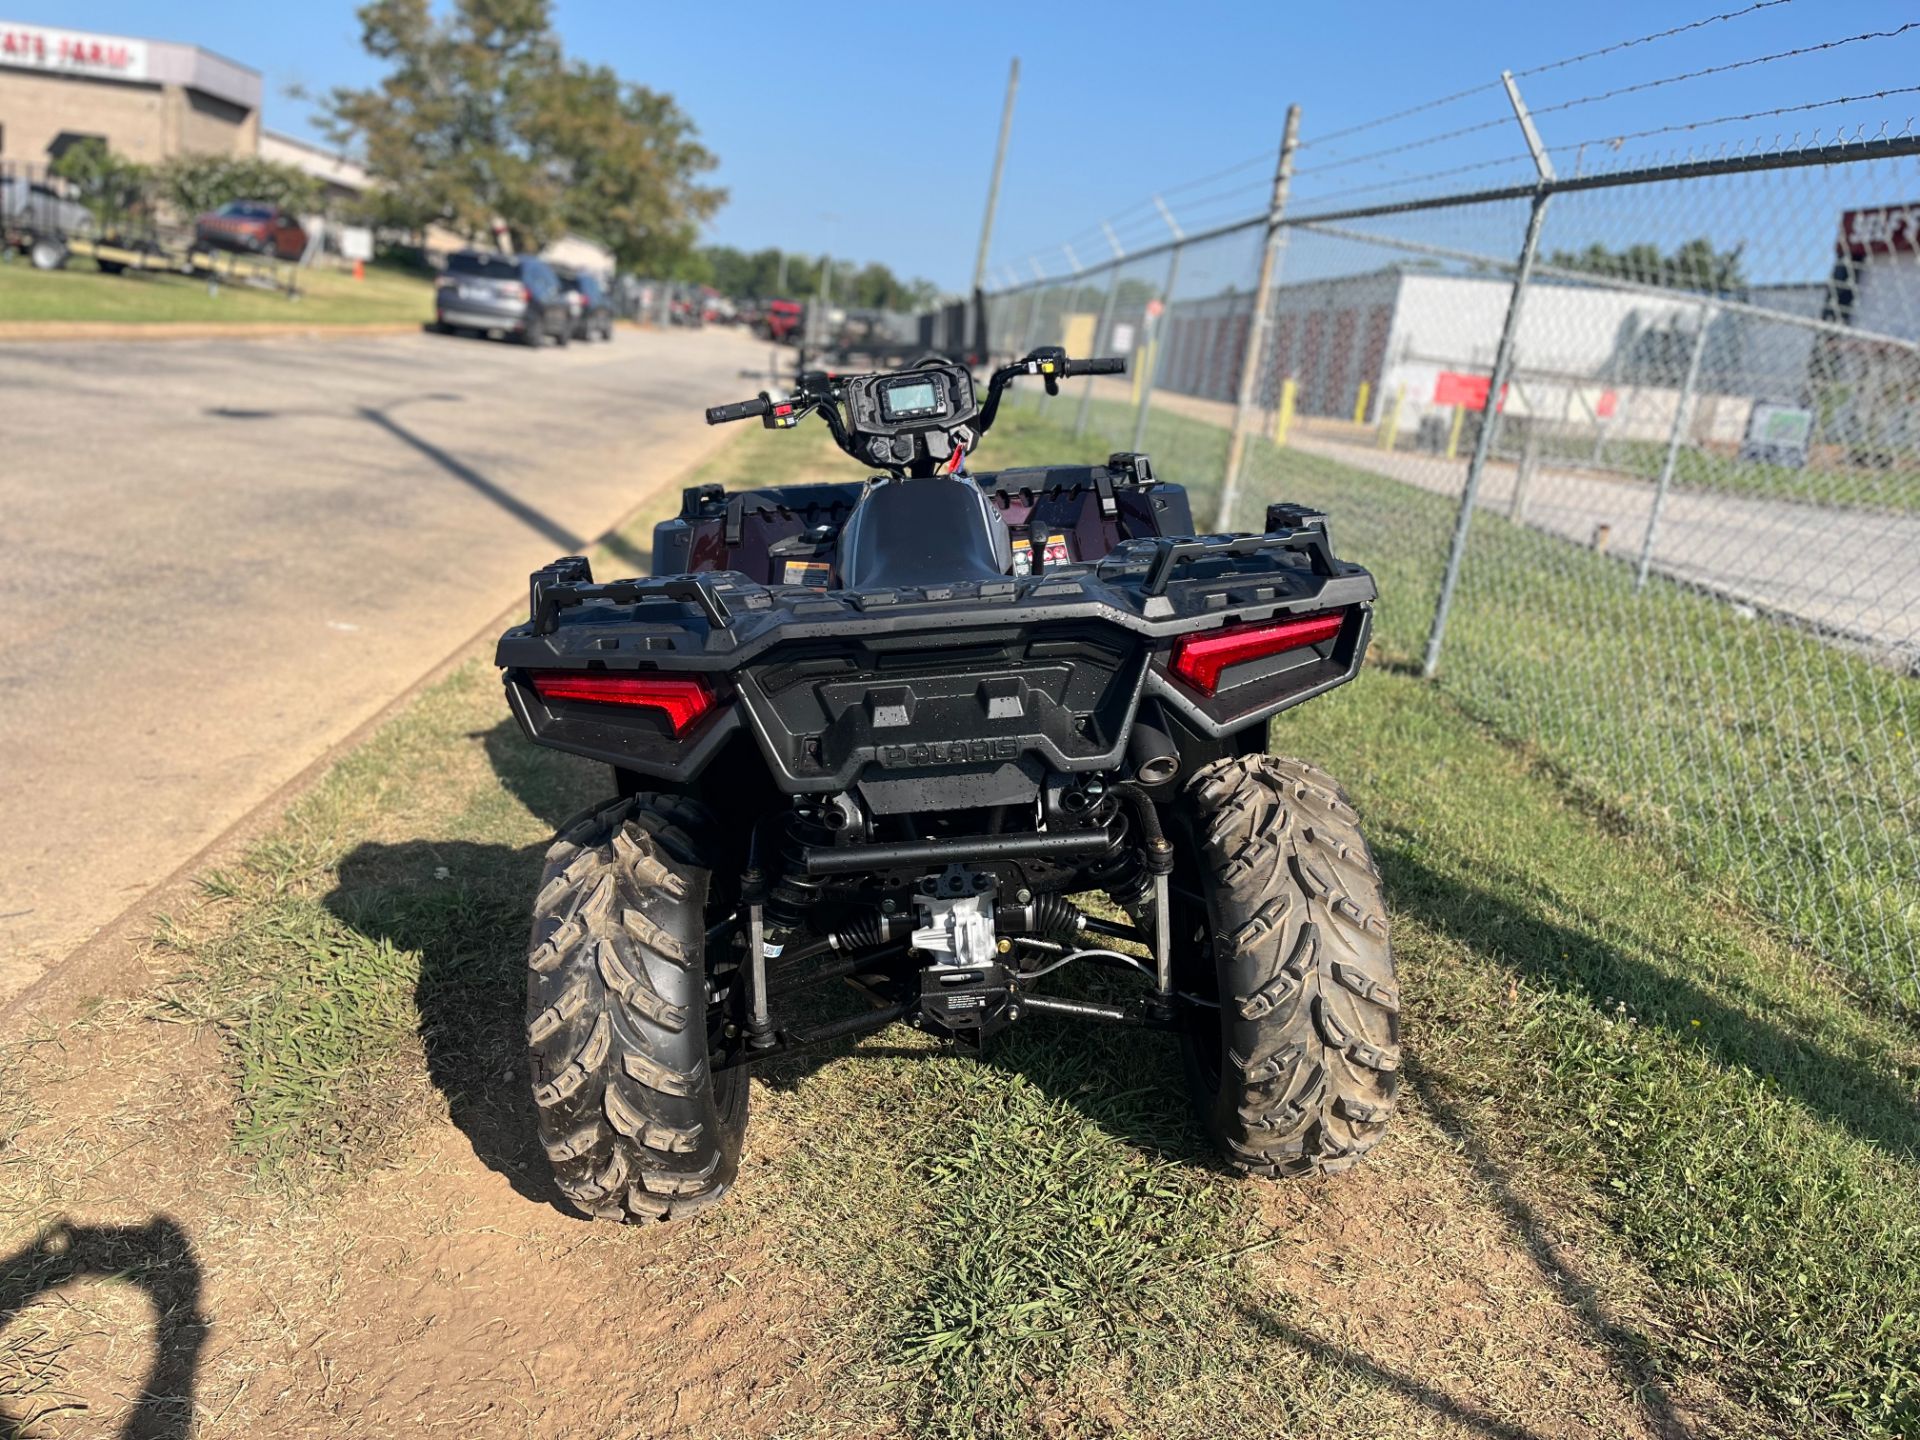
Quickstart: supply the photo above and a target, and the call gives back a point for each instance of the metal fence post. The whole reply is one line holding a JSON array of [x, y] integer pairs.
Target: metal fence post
[[1674, 437], [1257, 328], [1156, 343], [1103, 327], [1497, 383], [1033, 320]]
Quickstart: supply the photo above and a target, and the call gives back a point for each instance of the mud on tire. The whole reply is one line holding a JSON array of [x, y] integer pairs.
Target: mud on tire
[[1296, 1072], [634, 1120]]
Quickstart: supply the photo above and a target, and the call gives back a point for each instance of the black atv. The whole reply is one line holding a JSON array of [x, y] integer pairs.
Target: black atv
[[894, 735]]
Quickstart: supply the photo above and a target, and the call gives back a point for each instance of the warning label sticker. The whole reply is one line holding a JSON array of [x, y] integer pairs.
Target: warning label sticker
[[817, 573], [1054, 554]]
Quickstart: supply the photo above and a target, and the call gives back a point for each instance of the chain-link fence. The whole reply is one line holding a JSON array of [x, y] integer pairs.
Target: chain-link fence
[[1636, 459]]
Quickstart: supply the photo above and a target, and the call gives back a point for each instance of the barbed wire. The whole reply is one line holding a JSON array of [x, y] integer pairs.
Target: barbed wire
[[1561, 64], [1613, 141], [1447, 174], [1728, 67], [1615, 94], [1375, 157], [1647, 39], [1618, 140]]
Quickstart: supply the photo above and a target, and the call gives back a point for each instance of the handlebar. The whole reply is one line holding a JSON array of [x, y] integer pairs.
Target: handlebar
[[1107, 365], [740, 410]]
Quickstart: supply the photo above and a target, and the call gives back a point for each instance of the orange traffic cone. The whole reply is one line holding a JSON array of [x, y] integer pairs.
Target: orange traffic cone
[[359, 269]]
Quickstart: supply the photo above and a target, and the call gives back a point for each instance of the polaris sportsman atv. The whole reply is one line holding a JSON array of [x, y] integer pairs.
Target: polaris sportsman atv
[[882, 734]]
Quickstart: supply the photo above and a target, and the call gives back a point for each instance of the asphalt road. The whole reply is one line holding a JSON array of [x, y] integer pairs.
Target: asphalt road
[[1846, 573], [218, 558]]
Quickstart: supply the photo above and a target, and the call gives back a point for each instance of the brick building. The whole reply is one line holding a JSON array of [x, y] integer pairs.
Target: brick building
[[147, 99]]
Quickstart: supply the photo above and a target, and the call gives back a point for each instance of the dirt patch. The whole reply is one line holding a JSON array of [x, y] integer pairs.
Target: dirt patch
[[1428, 1269], [432, 1297]]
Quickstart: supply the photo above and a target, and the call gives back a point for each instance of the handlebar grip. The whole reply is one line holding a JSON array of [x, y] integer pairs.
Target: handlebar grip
[[1108, 365], [741, 410]]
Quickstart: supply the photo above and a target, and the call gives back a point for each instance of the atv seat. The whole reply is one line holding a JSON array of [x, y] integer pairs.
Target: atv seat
[[922, 532]]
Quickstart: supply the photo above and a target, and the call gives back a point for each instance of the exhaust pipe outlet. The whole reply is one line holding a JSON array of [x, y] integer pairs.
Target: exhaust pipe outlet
[[1152, 758]]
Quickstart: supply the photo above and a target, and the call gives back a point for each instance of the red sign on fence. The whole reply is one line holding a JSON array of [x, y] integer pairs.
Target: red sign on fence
[[1470, 391]]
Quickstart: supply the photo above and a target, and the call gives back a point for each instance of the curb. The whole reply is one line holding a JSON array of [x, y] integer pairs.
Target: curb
[[109, 959]]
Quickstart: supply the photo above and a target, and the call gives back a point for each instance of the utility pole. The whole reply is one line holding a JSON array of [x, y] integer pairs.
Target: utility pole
[[993, 188]]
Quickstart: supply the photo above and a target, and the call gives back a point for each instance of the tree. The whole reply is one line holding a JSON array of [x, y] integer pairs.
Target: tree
[[194, 184], [757, 277], [109, 185], [1696, 265], [480, 121], [627, 159]]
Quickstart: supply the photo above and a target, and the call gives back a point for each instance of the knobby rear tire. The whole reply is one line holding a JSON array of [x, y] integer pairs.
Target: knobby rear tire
[[635, 1122], [1296, 1073]]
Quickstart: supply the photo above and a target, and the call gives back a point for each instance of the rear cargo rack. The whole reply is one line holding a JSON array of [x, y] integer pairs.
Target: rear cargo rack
[[1169, 555], [569, 581]]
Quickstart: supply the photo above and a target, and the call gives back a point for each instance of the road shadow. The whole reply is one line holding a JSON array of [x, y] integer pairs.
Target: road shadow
[[1847, 1089], [158, 1259], [632, 559]]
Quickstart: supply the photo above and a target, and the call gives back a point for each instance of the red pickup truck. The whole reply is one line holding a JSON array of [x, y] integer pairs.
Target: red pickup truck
[[780, 320]]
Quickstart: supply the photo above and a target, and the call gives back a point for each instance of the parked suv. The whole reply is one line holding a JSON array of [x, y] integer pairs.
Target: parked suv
[[487, 293], [588, 304], [253, 227]]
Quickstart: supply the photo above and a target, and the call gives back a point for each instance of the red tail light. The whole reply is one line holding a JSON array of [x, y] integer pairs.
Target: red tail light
[[682, 699], [519, 292], [1201, 659]]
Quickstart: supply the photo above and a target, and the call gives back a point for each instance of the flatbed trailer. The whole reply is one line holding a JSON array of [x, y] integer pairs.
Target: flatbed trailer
[[117, 254]]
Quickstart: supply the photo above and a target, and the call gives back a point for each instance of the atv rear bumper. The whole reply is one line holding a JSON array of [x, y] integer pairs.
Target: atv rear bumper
[[991, 684]]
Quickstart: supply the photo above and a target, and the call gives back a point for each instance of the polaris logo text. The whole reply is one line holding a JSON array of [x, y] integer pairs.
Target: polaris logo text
[[949, 752]]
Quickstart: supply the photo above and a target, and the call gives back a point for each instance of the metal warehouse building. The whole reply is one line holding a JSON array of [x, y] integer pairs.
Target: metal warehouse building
[[147, 99], [1406, 336]]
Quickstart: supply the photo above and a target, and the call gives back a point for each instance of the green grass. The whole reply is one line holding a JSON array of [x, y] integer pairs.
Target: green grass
[[81, 293], [1785, 767], [1037, 1245]]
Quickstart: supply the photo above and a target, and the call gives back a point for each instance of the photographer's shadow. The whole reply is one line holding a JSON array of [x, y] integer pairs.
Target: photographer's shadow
[[158, 1259]]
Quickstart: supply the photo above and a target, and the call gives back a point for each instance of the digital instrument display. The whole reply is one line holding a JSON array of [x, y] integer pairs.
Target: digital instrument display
[[910, 399]]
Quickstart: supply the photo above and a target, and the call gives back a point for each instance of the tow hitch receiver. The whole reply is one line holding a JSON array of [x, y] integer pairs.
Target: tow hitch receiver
[[968, 1002]]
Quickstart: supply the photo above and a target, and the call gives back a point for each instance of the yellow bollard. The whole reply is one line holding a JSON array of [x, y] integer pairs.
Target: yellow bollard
[[1390, 432], [1143, 367], [1453, 434], [1360, 402], [1283, 422]]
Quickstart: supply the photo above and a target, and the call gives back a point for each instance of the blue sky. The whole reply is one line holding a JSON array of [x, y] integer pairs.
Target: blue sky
[[869, 130]]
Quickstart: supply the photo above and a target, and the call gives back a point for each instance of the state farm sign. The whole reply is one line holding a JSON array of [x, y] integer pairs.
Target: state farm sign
[[72, 52], [1883, 230]]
